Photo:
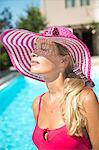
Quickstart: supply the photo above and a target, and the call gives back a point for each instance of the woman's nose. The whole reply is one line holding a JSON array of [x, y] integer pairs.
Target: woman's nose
[[33, 55]]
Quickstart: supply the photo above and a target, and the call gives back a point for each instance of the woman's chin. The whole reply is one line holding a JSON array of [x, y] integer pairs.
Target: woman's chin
[[42, 69], [39, 70], [36, 70]]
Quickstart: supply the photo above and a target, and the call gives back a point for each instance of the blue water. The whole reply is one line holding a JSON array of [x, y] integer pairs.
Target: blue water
[[16, 116]]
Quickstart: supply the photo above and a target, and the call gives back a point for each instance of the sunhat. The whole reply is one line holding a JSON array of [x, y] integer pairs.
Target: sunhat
[[19, 44]]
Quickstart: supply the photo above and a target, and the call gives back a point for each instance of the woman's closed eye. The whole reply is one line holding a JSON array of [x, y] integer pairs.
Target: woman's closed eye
[[44, 47]]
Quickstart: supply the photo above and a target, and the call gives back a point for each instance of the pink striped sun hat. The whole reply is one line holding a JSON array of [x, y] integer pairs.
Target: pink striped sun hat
[[19, 44]]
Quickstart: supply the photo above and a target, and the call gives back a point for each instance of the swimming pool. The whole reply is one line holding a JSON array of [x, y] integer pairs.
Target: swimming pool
[[16, 116]]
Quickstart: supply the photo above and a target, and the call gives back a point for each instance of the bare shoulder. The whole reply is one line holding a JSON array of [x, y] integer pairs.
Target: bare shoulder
[[89, 100], [90, 104], [91, 107], [35, 105]]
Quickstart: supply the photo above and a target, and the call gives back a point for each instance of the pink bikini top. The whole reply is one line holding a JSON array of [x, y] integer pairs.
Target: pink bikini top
[[57, 138]]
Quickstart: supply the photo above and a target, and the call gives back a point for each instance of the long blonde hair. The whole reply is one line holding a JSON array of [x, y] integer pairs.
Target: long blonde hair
[[70, 104]]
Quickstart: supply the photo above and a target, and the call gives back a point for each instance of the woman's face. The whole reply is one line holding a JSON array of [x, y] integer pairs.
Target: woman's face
[[45, 57]]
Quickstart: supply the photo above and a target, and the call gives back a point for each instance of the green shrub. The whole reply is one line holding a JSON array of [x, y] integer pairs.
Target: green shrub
[[4, 61]]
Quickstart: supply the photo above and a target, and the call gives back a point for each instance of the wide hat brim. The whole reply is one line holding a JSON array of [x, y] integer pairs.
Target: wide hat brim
[[19, 44]]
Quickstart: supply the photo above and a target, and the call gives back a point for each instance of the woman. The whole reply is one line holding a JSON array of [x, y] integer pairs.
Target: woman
[[67, 115]]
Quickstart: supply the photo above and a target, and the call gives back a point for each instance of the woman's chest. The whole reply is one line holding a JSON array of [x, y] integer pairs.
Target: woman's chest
[[50, 118]]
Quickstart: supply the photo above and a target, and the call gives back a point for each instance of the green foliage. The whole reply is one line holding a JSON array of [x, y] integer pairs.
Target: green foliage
[[4, 60], [34, 21], [5, 23], [5, 19]]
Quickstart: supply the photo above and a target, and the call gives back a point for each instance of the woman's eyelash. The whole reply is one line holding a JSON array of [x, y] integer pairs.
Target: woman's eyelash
[[44, 49]]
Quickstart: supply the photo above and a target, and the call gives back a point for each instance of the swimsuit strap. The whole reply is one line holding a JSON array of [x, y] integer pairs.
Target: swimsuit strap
[[39, 106]]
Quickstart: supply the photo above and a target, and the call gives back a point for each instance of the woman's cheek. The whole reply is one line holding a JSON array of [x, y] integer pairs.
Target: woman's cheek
[[48, 66]]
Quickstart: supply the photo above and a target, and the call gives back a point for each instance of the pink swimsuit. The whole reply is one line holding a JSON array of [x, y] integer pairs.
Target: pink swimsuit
[[58, 139]]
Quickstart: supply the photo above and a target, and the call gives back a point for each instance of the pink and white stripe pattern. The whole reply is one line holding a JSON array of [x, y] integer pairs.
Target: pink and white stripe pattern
[[19, 45]]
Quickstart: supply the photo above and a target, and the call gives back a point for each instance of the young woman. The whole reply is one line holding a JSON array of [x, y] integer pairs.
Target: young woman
[[67, 115]]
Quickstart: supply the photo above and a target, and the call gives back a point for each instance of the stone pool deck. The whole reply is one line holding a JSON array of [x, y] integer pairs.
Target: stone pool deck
[[7, 75]]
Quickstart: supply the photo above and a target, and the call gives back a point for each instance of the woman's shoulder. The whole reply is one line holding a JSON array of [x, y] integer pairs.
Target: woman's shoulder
[[88, 98], [87, 94], [35, 106], [35, 103]]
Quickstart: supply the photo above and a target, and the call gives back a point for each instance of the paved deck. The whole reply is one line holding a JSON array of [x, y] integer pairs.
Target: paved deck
[[7, 75]]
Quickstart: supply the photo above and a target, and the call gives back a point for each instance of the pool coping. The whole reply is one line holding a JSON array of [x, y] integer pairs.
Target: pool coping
[[7, 76]]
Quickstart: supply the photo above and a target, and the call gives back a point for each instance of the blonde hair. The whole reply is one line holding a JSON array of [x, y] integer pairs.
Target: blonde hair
[[70, 103]]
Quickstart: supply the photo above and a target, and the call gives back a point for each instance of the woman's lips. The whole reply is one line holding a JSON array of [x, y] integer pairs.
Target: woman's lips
[[34, 62]]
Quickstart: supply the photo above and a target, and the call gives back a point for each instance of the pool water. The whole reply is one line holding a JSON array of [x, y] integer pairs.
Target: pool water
[[16, 116]]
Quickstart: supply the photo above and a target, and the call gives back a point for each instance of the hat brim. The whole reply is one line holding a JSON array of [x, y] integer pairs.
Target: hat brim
[[19, 44]]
